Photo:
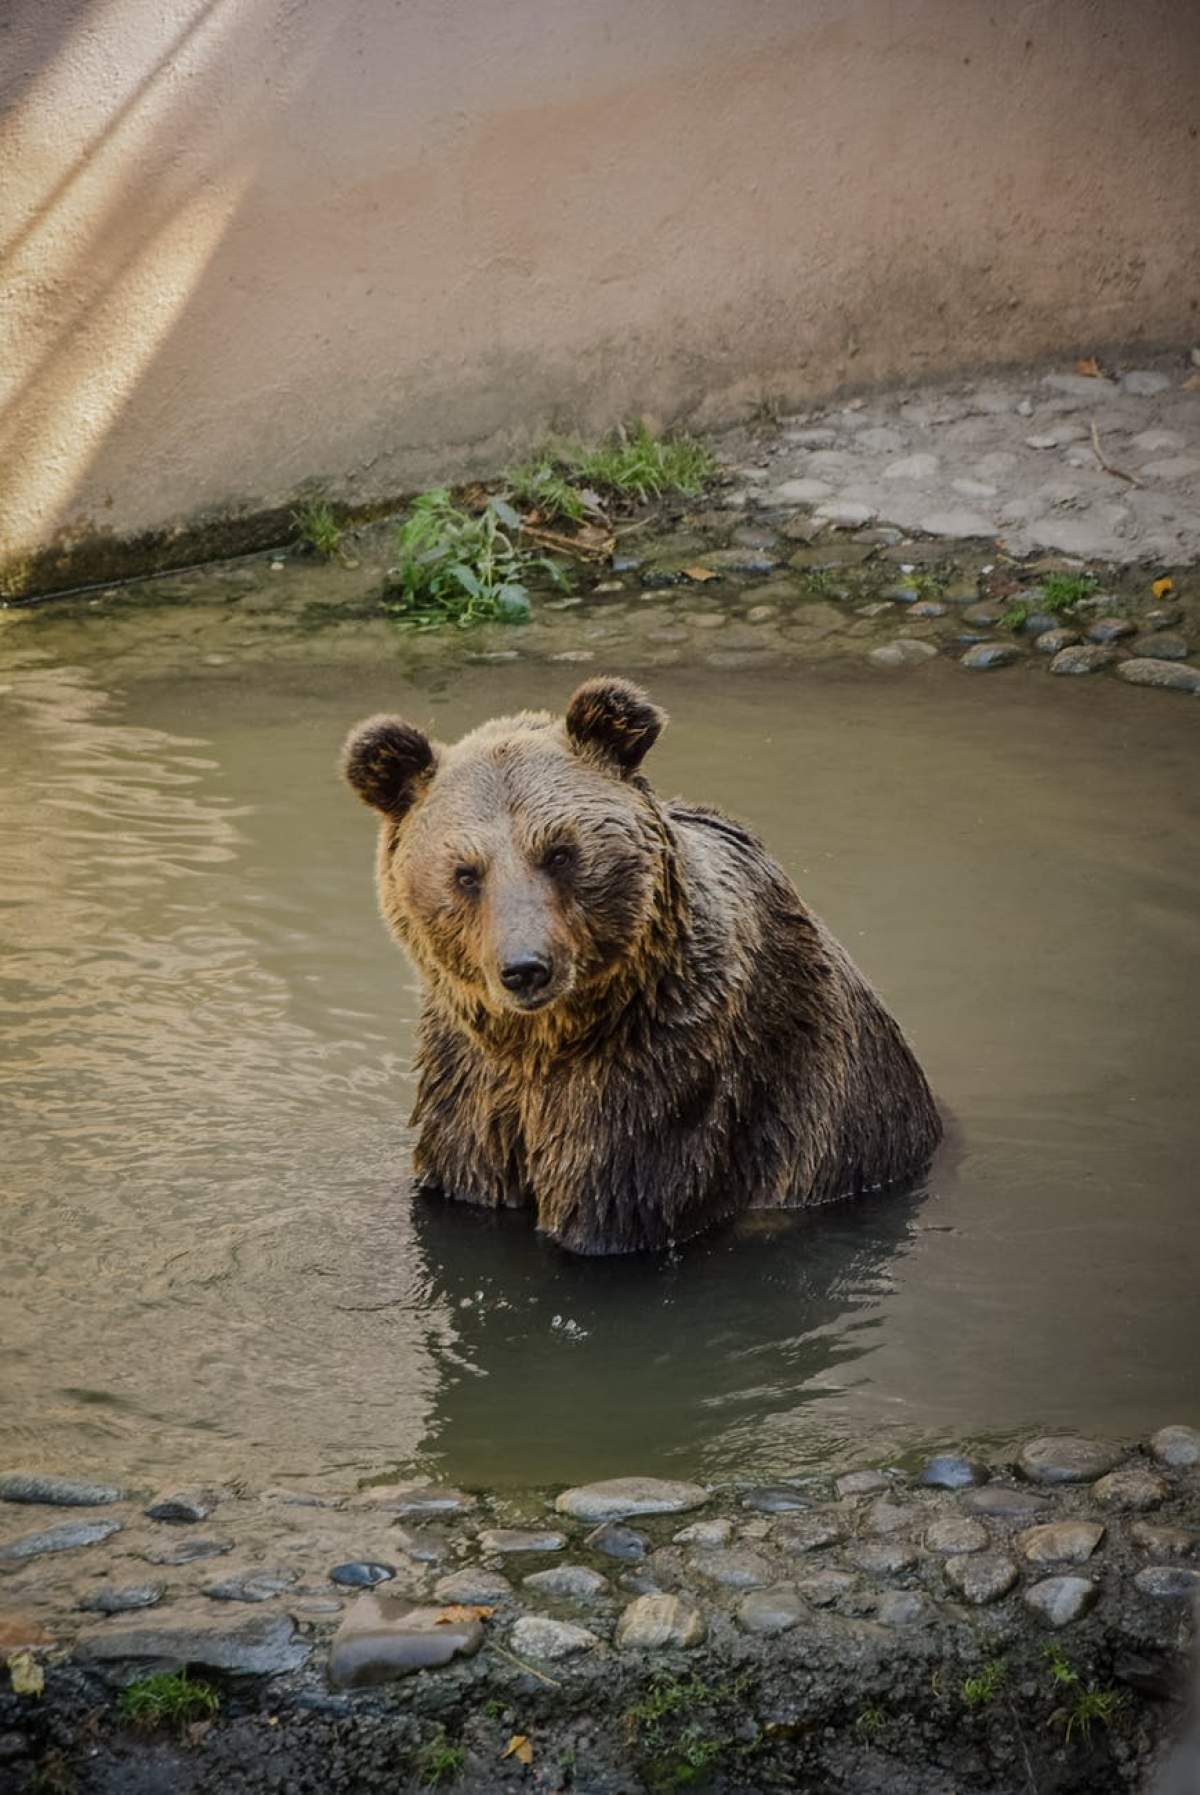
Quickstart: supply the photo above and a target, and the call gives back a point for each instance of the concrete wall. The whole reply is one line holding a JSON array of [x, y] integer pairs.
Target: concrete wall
[[253, 243]]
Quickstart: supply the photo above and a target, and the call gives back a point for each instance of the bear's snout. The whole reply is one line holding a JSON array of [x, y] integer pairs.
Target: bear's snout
[[527, 976]]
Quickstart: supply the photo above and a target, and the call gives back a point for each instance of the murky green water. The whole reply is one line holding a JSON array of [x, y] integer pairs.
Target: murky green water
[[210, 1262]]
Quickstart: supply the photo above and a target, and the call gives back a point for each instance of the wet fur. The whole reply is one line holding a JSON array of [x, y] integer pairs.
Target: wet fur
[[710, 1048]]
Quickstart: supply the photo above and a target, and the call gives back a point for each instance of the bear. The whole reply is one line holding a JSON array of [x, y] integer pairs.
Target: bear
[[631, 1024]]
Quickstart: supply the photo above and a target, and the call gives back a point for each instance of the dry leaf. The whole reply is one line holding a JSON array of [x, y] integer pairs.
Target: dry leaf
[[700, 573], [520, 1746], [1160, 588], [1192, 384], [459, 1611], [1087, 364], [28, 1677]]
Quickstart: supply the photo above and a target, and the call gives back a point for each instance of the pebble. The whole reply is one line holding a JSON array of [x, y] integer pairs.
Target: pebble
[[1110, 629], [761, 613], [1001, 1502], [956, 523], [1061, 1542], [901, 1608], [1165, 1542], [60, 1492], [981, 1577], [912, 467], [537, 1636], [905, 651], [653, 1621], [704, 1533], [769, 1611], [68, 1538], [1162, 617], [521, 1539], [413, 1499], [383, 1637], [622, 1542], [705, 619], [776, 1499], [825, 1587], [244, 1644], [1169, 675], [122, 1598], [187, 1551], [617, 1497], [950, 1534], [1053, 641], [986, 614], [1038, 623], [1135, 1487], [1160, 646], [572, 1580], [889, 1517], [801, 492], [1176, 1446], [425, 1545], [736, 1567], [1066, 1458], [1144, 383], [1061, 1600], [574, 657], [740, 560], [927, 607], [1167, 1582], [1085, 660], [947, 1471], [1079, 386], [990, 654], [846, 515], [883, 1557], [361, 1574], [255, 1586], [808, 1533], [473, 1586], [815, 437], [185, 1506], [861, 1483]]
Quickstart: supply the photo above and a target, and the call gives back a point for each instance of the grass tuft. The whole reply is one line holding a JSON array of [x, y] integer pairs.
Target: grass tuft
[[1093, 1706], [979, 1691], [1063, 591], [870, 1723], [167, 1699], [438, 1762], [637, 464], [318, 527]]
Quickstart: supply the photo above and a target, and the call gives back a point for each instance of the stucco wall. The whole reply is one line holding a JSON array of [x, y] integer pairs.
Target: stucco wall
[[254, 243]]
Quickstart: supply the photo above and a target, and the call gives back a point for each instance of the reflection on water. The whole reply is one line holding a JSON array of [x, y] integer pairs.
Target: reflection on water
[[211, 1263]]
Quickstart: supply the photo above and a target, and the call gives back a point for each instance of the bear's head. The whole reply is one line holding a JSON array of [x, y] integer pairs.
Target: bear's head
[[523, 865]]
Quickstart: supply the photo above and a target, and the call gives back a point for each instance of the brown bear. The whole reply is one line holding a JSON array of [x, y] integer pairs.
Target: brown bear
[[631, 1022]]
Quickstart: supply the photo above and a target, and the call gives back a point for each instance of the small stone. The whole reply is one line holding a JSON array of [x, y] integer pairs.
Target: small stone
[[413, 1499], [184, 1506], [901, 1608], [776, 1499], [1157, 442], [422, 1544], [653, 1621], [1168, 675], [1160, 646], [537, 1636], [1167, 1582], [1084, 660], [1053, 641], [1064, 1458], [60, 1492], [618, 1542], [122, 1598], [704, 1533], [186, 1551], [1144, 383], [483, 1586], [384, 1637], [244, 1644], [1079, 386], [761, 613], [1110, 629], [735, 1567], [905, 651], [705, 619], [990, 654], [361, 1574], [276, 566], [950, 1534], [289, 1498], [616, 1497], [861, 1483], [1135, 1488], [1003, 1503], [316, 1605], [974, 489], [572, 1580], [1060, 1542], [814, 437], [986, 614], [1162, 617], [801, 492], [824, 1588], [1165, 1542], [808, 1533], [947, 1471], [1060, 1600], [1176, 1446], [521, 1539], [1038, 623], [912, 467], [927, 607], [981, 1577], [883, 1557], [70, 1537], [769, 1611], [959, 523], [574, 657], [255, 1586], [845, 515], [890, 1517]]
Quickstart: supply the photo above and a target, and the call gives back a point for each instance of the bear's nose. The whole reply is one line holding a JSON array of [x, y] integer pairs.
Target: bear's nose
[[525, 975]]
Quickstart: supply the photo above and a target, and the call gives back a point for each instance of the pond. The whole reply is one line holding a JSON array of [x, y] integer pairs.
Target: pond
[[212, 1264]]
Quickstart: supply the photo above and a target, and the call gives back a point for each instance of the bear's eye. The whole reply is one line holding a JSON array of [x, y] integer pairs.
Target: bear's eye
[[558, 859], [467, 878]]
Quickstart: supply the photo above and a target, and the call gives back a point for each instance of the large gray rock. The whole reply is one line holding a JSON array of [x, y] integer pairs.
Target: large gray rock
[[769, 1611], [537, 1636], [1061, 1600], [901, 1608], [1171, 676], [59, 1492], [883, 1557], [1061, 1542], [383, 1637], [861, 1483], [985, 655], [67, 1538], [905, 651], [251, 1586], [1064, 1458], [1165, 1542], [1087, 658], [1160, 645], [217, 1638], [704, 1533], [653, 1621], [122, 1598], [981, 1577], [1053, 641], [824, 1588], [617, 1497], [1176, 1446], [949, 1471]]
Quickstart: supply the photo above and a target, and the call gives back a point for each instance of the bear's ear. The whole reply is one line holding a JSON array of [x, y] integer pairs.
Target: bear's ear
[[387, 761], [615, 719]]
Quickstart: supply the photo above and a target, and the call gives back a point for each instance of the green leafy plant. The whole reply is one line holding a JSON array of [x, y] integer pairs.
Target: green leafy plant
[[979, 1691], [438, 1762], [457, 567], [1063, 591], [1094, 1705], [870, 1723], [1061, 1668], [167, 1699], [318, 527], [1016, 616]]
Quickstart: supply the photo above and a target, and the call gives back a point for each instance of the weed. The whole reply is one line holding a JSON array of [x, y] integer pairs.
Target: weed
[[870, 1723], [639, 465], [678, 1749], [1094, 1704], [823, 582], [456, 567], [495, 1710], [1061, 1668], [1016, 616], [979, 1691], [438, 1762], [927, 586], [666, 1696], [543, 483], [168, 1698], [317, 526], [1063, 591]]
